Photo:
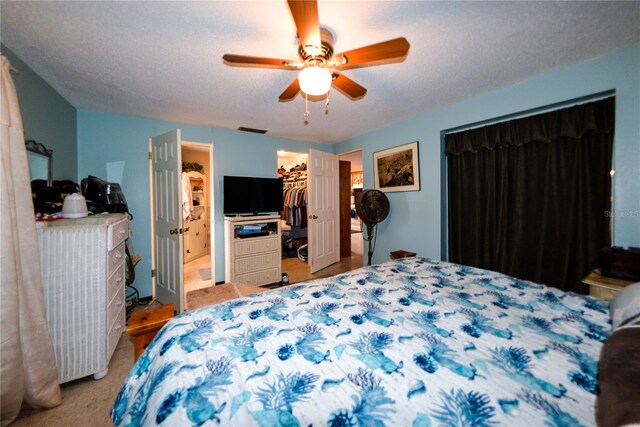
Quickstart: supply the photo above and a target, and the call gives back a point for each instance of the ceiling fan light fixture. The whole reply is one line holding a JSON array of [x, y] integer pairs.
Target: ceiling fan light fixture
[[315, 81]]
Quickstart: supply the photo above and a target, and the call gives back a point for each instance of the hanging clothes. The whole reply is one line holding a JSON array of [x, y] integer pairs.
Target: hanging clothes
[[187, 203], [189, 179], [294, 210]]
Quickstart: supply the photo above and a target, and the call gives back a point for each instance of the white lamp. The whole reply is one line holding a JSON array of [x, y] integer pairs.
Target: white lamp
[[315, 81]]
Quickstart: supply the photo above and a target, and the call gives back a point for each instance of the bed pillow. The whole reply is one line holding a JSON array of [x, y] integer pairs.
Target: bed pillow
[[618, 400], [625, 307]]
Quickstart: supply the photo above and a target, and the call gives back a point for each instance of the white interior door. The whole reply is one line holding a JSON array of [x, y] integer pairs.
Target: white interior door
[[323, 210], [166, 161]]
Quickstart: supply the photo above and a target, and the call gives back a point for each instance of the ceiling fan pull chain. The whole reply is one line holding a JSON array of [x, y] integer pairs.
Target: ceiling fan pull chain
[[326, 105], [306, 110]]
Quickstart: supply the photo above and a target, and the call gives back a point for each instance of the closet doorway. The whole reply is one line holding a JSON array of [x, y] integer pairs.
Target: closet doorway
[[356, 184], [299, 172], [197, 170], [292, 168]]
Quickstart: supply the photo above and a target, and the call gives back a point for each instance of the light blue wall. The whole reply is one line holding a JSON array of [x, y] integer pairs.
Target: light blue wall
[[109, 142], [415, 220], [47, 117], [121, 142]]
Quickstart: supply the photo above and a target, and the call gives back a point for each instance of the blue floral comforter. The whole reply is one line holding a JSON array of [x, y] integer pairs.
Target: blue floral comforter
[[412, 342]]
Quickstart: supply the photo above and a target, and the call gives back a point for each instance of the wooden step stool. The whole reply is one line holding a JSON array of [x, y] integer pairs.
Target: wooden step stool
[[145, 324]]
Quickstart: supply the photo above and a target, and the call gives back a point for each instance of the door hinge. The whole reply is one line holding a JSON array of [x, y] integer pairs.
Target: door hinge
[[153, 273], [150, 156]]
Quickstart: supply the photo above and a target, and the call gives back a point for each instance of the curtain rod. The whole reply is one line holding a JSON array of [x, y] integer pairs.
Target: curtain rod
[[537, 110]]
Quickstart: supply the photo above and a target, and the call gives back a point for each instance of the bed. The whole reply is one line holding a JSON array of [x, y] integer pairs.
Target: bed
[[410, 342]]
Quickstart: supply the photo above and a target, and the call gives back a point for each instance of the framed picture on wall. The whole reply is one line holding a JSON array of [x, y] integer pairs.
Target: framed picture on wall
[[397, 168]]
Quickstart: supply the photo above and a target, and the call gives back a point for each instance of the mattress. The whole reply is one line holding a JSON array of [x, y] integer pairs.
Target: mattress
[[410, 342]]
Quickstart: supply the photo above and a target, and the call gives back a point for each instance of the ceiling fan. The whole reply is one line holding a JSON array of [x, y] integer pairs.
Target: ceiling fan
[[319, 67]]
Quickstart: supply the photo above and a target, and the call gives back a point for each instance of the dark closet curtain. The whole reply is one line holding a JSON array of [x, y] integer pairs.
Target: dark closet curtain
[[529, 197]]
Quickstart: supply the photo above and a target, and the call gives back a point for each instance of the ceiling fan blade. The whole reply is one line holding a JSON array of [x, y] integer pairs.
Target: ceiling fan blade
[[290, 92], [390, 51], [254, 61], [305, 15], [348, 87]]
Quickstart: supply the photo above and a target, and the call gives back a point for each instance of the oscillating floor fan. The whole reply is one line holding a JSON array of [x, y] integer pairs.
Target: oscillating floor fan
[[372, 206]]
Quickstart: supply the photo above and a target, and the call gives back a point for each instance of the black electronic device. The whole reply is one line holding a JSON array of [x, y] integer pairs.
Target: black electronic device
[[621, 263], [251, 235], [251, 195], [103, 196]]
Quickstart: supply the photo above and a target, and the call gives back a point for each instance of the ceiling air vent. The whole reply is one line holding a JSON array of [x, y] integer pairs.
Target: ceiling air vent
[[252, 130]]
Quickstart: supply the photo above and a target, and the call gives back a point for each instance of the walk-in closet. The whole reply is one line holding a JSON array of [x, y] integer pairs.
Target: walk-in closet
[[292, 168]]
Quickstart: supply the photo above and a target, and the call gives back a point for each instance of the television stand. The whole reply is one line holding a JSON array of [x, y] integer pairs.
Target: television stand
[[253, 249]]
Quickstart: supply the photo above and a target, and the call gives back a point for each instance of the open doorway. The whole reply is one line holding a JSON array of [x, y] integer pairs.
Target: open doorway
[[296, 234], [355, 226], [196, 216], [292, 168]]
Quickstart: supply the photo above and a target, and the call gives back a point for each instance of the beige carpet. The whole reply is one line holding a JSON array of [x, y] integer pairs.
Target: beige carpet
[[220, 293], [86, 402]]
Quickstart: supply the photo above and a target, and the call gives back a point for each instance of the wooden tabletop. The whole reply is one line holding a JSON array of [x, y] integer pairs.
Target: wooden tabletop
[[149, 320], [598, 279], [401, 254]]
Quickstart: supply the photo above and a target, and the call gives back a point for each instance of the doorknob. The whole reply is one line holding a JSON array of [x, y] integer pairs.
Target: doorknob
[[174, 231], [313, 217]]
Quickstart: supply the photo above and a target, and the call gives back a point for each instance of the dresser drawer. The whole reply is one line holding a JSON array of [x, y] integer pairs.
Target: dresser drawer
[[271, 275], [117, 233], [116, 330], [115, 282], [256, 262], [115, 305], [256, 245], [115, 258]]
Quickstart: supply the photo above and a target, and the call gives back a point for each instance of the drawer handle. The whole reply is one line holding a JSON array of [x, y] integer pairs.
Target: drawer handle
[[118, 255], [122, 231], [118, 278], [118, 326], [118, 302]]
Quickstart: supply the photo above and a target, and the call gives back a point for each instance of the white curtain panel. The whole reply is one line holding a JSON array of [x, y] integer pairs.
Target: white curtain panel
[[28, 364]]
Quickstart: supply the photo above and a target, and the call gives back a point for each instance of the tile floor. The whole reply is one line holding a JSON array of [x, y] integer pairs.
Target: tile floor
[[197, 274]]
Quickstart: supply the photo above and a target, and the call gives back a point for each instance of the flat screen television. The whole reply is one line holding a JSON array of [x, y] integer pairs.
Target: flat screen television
[[250, 195]]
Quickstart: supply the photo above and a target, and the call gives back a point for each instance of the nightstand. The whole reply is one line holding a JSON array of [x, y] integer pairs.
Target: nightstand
[[145, 324], [604, 287]]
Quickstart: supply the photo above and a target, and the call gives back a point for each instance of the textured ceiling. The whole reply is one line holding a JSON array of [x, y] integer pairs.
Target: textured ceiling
[[163, 60]]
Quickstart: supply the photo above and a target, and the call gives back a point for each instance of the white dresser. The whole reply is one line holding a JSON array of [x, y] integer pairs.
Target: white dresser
[[253, 250], [83, 277]]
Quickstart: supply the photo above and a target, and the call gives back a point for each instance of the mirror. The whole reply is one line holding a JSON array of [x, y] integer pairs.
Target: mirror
[[40, 159]]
